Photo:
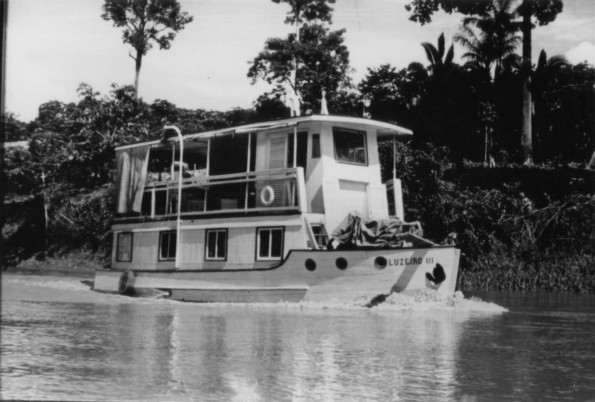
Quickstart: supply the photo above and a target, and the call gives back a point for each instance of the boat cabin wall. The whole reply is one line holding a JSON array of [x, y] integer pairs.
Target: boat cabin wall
[[350, 174], [225, 244]]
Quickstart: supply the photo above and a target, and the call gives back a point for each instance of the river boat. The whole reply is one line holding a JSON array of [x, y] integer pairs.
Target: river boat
[[282, 211]]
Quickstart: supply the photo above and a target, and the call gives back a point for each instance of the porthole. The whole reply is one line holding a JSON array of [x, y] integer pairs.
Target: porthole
[[341, 263], [310, 264], [380, 262]]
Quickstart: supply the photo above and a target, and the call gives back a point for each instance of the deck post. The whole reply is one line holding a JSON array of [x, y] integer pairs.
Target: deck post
[[300, 185], [180, 174]]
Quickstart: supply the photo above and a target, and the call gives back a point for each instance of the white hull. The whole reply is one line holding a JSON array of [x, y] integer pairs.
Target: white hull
[[368, 273]]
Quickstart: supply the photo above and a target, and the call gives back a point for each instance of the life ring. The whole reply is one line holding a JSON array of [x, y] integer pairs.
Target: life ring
[[126, 284], [267, 195]]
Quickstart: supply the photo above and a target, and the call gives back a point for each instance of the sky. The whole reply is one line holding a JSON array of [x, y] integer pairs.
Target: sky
[[54, 45]]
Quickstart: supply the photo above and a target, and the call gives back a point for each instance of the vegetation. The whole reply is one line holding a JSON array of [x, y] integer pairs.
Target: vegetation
[[541, 11], [308, 65], [144, 22], [519, 227]]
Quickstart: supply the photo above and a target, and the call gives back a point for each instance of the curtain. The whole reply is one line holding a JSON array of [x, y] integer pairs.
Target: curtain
[[131, 168]]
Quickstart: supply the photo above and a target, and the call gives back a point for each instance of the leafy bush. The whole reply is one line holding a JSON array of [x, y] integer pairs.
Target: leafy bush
[[508, 240]]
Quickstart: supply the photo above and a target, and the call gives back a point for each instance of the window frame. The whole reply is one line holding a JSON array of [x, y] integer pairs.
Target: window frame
[[271, 229], [131, 234], [350, 131], [160, 251], [316, 154], [217, 231]]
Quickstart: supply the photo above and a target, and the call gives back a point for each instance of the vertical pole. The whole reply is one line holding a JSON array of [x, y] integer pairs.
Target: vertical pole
[[204, 206], [247, 170], [397, 189], [45, 208], [295, 141], [179, 220], [394, 160], [295, 146]]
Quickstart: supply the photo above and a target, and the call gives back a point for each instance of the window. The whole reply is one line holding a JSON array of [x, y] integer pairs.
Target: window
[[124, 247], [320, 235], [167, 246], [350, 146], [315, 146], [269, 244], [216, 245]]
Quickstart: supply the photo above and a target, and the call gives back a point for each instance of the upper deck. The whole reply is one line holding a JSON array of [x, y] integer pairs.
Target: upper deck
[[311, 164]]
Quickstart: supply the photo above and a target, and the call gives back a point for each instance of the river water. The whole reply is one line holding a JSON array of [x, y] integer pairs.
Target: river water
[[61, 341]]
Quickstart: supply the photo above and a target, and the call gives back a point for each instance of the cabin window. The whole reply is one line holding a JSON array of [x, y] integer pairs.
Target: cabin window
[[350, 146], [216, 245], [167, 246], [269, 244], [124, 247], [315, 146], [320, 235]]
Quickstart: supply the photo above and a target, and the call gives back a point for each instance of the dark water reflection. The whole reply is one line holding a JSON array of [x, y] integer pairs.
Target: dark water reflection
[[129, 349]]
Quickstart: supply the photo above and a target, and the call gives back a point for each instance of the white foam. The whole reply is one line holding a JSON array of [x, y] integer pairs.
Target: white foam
[[432, 300], [424, 300]]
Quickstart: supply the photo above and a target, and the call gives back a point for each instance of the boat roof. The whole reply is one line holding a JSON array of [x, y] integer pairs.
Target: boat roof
[[383, 129]]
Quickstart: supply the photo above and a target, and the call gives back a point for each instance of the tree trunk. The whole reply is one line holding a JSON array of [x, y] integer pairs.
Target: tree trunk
[[526, 140], [137, 61]]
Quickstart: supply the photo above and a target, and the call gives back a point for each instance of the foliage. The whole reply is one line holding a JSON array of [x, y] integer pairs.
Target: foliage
[[144, 22], [72, 148], [543, 11], [269, 106], [447, 112], [306, 63], [509, 240], [564, 109], [307, 10], [20, 175], [14, 129], [75, 142], [80, 221], [491, 37], [394, 94]]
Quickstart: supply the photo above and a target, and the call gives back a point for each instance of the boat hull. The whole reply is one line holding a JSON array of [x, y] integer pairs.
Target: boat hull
[[304, 275]]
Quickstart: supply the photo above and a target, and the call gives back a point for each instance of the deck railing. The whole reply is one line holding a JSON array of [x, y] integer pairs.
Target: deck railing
[[264, 191]]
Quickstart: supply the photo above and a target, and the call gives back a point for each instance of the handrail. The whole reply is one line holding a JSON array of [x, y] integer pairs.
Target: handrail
[[240, 178], [288, 185]]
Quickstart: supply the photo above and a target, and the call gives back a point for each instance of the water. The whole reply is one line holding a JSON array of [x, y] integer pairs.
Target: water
[[62, 341]]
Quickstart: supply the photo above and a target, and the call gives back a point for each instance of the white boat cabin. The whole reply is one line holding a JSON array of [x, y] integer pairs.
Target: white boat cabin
[[243, 197]]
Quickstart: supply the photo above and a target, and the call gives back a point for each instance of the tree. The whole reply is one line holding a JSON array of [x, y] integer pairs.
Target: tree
[[440, 69], [144, 22], [307, 62], [491, 37], [490, 40], [393, 93], [543, 11], [446, 111]]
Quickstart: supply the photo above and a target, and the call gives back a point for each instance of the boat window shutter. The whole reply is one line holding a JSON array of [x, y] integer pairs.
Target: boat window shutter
[[278, 160], [278, 152]]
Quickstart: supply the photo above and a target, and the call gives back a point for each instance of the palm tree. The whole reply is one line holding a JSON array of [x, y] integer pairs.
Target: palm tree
[[491, 41], [440, 68], [491, 37]]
